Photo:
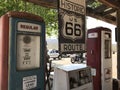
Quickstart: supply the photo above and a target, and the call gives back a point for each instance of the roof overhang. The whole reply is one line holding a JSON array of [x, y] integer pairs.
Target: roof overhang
[[112, 3], [44, 3], [105, 12]]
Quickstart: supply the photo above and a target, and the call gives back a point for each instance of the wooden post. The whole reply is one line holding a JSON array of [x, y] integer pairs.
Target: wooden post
[[118, 43]]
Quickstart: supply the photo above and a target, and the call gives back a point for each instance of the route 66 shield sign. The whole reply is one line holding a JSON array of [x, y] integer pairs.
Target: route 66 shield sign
[[71, 26]]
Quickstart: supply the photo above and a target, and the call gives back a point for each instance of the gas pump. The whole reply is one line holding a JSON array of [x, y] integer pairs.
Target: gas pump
[[99, 57], [22, 46], [72, 77]]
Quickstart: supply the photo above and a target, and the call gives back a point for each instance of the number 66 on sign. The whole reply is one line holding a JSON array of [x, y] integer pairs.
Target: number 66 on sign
[[71, 14]]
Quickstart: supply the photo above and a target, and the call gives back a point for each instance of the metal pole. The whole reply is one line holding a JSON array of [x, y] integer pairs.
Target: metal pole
[[118, 43]]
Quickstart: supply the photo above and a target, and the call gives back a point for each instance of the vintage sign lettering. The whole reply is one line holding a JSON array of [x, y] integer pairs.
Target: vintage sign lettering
[[71, 26], [28, 27], [29, 82], [71, 6]]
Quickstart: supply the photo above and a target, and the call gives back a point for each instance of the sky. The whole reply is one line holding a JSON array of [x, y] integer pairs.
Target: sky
[[92, 23]]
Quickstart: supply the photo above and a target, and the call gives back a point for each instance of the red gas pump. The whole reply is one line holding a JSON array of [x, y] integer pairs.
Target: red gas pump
[[99, 57]]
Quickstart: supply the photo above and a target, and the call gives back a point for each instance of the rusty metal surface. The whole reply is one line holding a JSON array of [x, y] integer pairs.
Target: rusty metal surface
[[4, 35], [24, 15]]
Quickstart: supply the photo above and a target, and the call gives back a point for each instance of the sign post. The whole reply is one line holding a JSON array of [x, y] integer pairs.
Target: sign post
[[71, 26]]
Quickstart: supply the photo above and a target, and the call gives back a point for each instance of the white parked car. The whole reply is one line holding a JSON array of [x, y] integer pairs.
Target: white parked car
[[54, 54]]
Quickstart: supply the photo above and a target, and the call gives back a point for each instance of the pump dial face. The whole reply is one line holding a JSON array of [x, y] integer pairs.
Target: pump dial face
[[27, 39], [28, 52]]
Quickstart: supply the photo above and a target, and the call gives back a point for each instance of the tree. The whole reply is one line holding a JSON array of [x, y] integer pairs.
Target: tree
[[49, 15], [95, 4]]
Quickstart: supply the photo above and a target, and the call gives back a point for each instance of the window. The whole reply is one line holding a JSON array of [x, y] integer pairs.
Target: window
[[107, 49]]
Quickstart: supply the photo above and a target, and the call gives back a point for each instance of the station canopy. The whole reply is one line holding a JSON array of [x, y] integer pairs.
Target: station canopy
[[104, 10]]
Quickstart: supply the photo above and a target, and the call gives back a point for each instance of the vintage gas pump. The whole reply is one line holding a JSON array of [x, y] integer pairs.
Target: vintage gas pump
[[72, 77], [22, 44], [99, 57]]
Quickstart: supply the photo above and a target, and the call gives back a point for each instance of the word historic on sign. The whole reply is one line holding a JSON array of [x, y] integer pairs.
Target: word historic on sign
[[72, 6]]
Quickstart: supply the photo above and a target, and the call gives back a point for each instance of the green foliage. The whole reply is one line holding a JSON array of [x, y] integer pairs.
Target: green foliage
[[95, 4], [8, 5], [49, 15]]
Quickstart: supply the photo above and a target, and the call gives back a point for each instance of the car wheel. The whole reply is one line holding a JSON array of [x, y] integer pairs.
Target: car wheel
[[79, 62], [59, 57], [54, 58], [72, 60]]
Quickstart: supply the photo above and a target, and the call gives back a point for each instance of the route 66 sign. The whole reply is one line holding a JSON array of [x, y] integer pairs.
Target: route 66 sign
[[71, 26]]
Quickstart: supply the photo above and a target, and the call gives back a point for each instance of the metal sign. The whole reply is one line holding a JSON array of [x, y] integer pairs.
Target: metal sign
[[29, 82], [71, 26]]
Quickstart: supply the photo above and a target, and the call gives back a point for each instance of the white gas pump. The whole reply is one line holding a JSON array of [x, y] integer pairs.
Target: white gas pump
[[72, 77]]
